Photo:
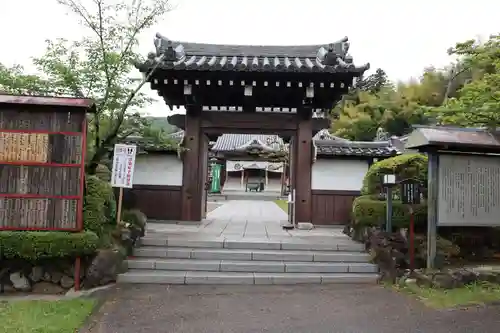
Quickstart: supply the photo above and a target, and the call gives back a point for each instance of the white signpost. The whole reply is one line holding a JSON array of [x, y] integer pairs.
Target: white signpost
[[122, 174]]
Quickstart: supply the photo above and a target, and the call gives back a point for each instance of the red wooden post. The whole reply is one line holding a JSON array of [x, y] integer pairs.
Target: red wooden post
[[78, 268]]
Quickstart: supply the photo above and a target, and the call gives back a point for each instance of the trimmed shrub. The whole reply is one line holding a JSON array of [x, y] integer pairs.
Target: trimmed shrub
[[136, 218], [403, 166], [36, 245], [368, 211], [99, 210], [103, 172]]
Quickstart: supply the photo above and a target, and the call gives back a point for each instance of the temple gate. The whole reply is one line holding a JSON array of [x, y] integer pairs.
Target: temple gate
[[284, 90]]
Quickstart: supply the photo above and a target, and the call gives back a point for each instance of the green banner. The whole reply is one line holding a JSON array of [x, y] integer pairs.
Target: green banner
[[215, 187]]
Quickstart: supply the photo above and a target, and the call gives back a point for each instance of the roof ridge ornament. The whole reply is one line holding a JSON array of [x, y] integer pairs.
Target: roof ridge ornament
[[336, 54], [165, 46]]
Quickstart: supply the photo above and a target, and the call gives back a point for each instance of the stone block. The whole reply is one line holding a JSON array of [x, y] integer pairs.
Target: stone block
[[150, 252], [341, 257], [141, 263], [308, 246], [252, 266], [251, 244], [179, 253], [305, 226], [316, 267], [349, 278], [362, 268], [350, 246], [222, 254], [219, 278], [287, 278], [160, 277], [195, 243], [153, 241], [282, 256], [188, 265]]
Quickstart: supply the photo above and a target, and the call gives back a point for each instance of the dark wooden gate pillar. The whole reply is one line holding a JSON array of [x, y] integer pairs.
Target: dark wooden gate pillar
[[302, 146], [204, 171], [193, 172]]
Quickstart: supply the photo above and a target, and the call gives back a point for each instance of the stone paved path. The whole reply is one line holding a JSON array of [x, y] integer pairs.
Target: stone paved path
[[280, 309], [256, 219], [248, 218]]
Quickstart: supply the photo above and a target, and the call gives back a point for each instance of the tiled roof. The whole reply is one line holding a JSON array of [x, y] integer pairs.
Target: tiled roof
[[324, 134], [84, 103], [355, 148], [331, 57], [454, 138], [177, 136], [230, 142]]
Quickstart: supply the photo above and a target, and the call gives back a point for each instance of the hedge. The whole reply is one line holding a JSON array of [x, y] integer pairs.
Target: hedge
[[367, 210], [99, 207], [403, 166], [36, 245]]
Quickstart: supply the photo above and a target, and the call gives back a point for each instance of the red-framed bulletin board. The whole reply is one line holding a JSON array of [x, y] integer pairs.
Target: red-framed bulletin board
[[42, 162]]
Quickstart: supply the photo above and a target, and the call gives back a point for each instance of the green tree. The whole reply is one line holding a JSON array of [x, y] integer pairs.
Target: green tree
[[99, 66], [14, 81], [393, 109], [374, 82], [478, 101]]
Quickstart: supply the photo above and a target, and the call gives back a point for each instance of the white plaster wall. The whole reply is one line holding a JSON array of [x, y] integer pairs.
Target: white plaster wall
[[337, 174], [158, 169]]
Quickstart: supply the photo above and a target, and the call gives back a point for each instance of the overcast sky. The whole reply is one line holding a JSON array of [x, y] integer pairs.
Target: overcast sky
[[400, 36]]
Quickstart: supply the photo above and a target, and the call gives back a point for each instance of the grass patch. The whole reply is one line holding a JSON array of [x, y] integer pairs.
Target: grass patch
[[63, 316], [283, 204], [474, 294]]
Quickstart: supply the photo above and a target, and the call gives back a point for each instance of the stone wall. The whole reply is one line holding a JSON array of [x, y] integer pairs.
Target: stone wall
[[58, 276]]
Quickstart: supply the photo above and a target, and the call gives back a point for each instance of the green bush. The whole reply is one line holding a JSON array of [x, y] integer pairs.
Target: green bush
[[403, 166], [36, 245], [134, 217], [137, 219], [99, 210], [103, 172], [370, 212]]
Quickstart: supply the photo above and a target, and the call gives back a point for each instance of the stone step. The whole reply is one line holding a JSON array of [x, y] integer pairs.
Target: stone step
[[331, 244], [250, 266], [232, 278], [250, 254]]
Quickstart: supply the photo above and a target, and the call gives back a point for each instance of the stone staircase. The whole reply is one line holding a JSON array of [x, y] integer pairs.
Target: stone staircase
[[170, 259]]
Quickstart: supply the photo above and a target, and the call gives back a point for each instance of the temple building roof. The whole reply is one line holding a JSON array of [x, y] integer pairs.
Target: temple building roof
[[241, 142], [454, 138], [331, 57], [355, 148], [326, 143], [325, 134]]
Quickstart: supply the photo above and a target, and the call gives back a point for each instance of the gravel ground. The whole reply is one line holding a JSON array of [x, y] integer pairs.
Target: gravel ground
[[280, 309]]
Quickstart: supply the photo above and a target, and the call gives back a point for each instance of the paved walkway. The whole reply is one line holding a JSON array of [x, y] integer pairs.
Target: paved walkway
[[280, 309], [247, 218], [253, 219]]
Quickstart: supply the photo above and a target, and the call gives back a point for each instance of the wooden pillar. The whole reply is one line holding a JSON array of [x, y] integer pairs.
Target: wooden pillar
[[242, 177], [193, 173], [282, 179], [432, 207], [267, 178], [292, 163], [204, 169], [303, 168], [225, 173]]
